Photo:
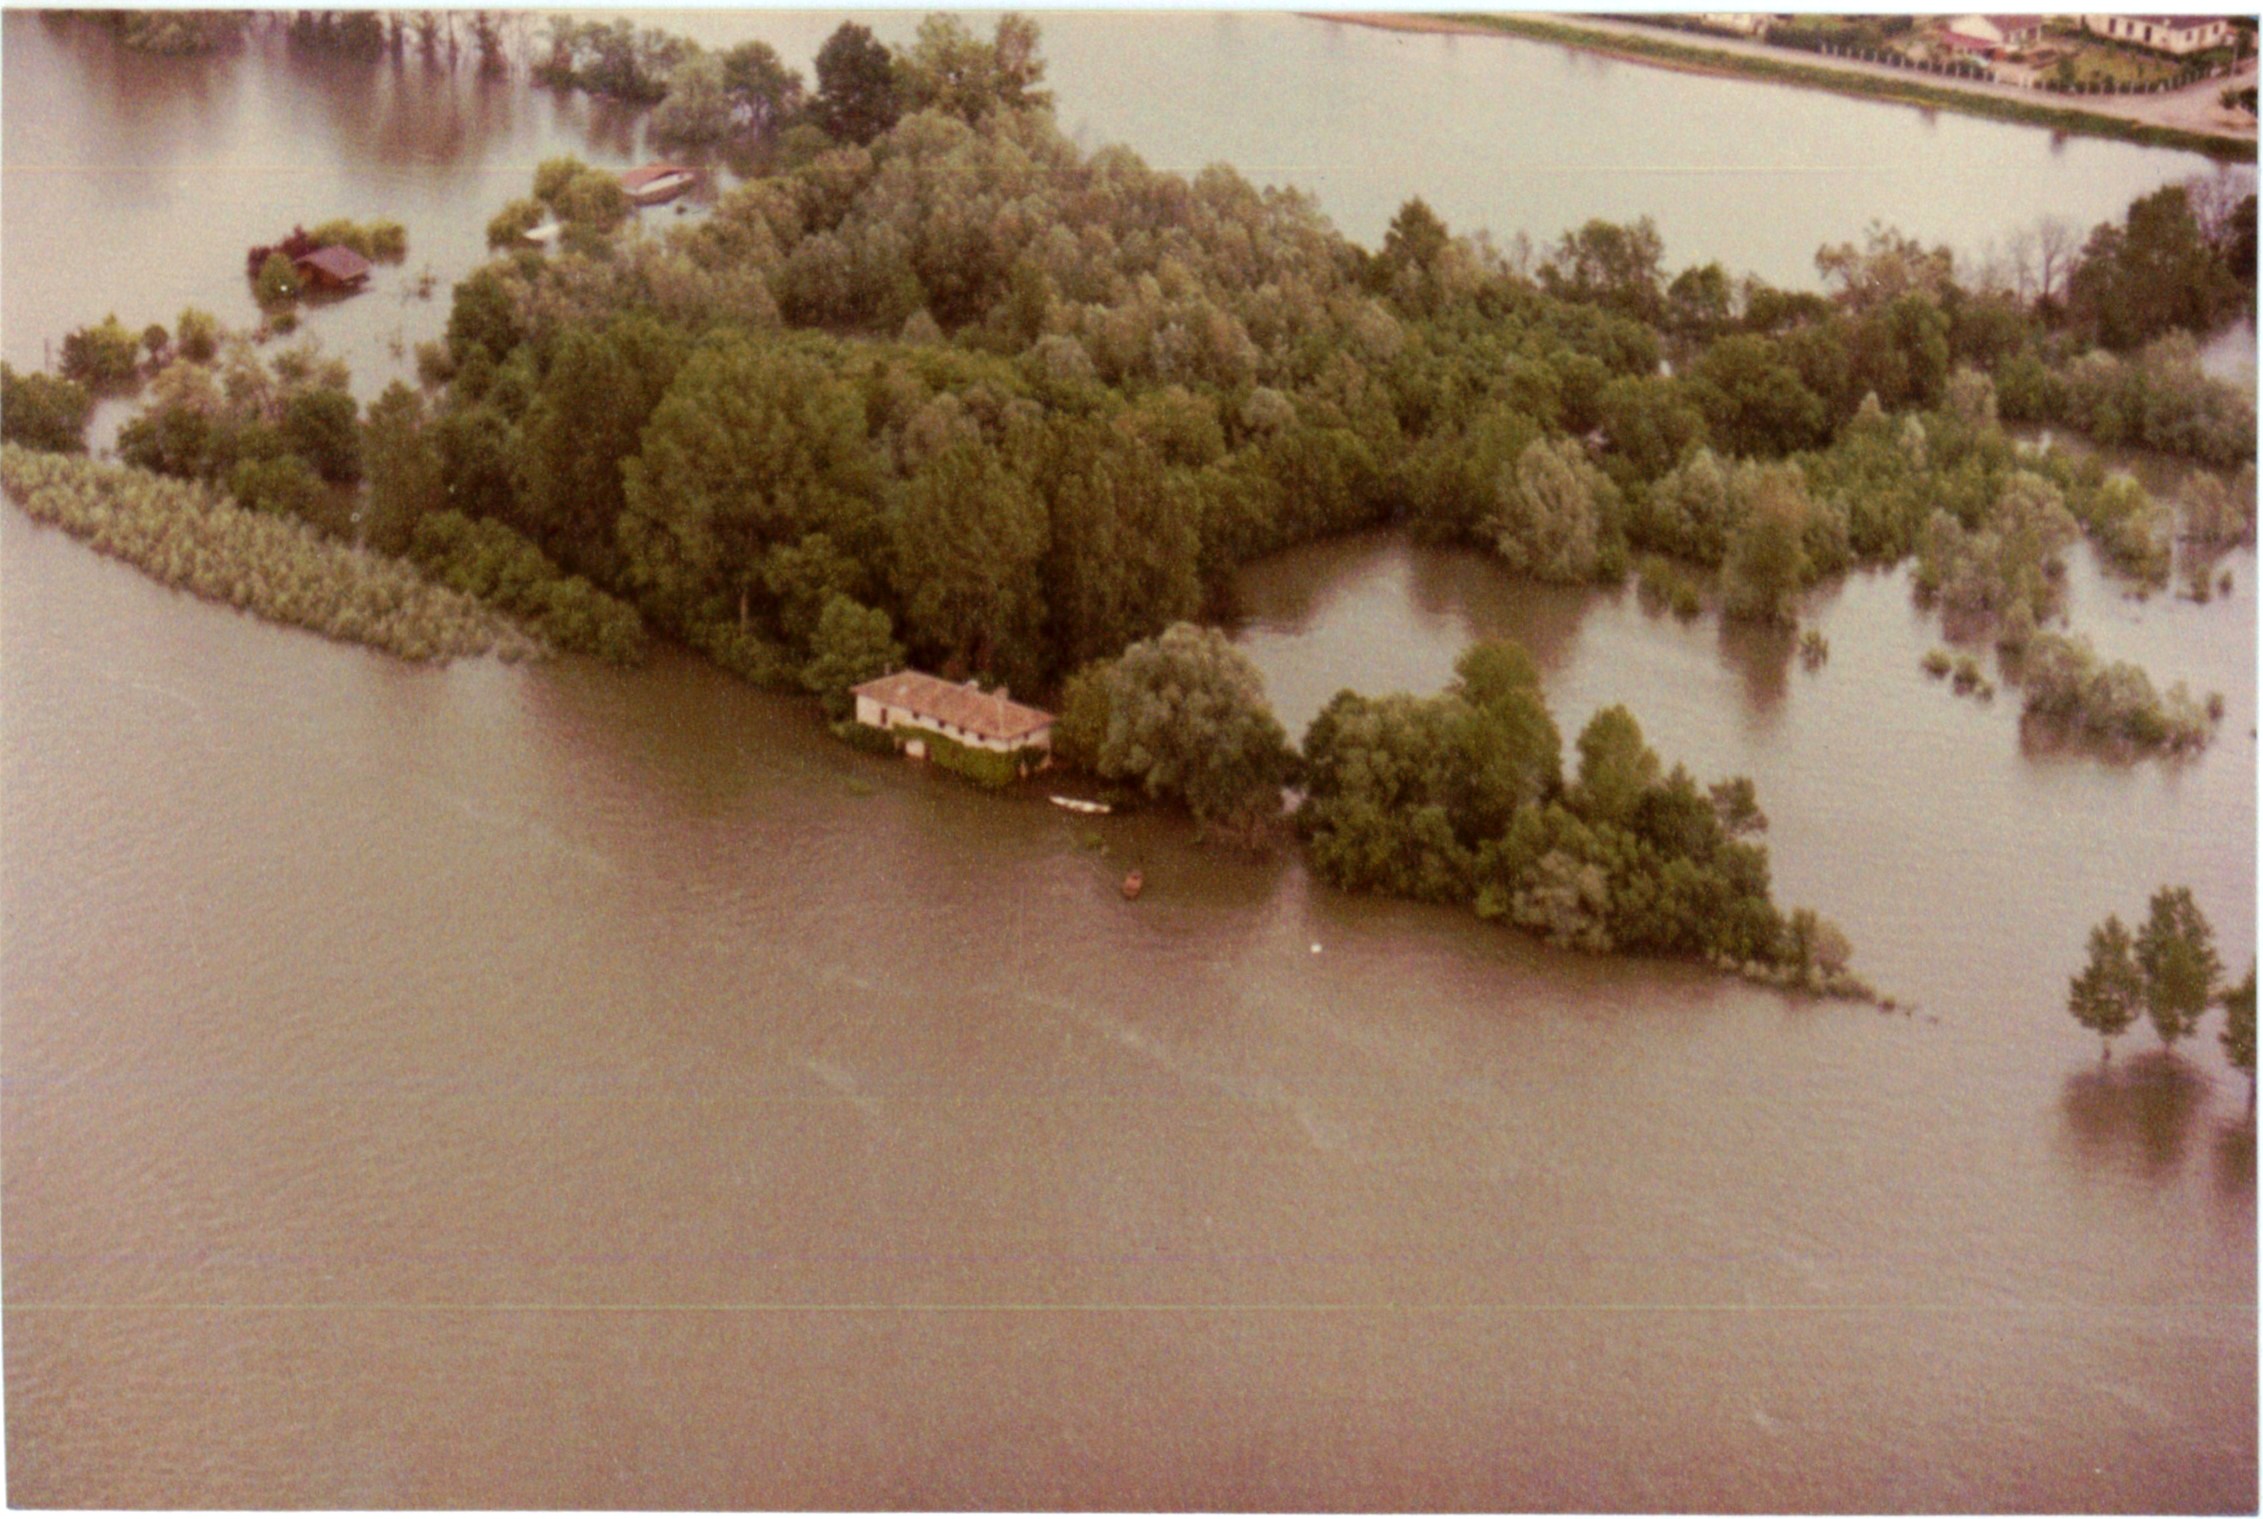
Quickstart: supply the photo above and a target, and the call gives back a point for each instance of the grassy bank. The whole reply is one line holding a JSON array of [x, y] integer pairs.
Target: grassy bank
[[1684, 55], [197, 540]]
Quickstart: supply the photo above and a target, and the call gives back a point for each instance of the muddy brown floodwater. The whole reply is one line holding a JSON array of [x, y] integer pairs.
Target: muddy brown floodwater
[[531, 1087]]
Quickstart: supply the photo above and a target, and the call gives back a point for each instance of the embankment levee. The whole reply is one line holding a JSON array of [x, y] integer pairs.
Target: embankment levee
[[2150, 120]]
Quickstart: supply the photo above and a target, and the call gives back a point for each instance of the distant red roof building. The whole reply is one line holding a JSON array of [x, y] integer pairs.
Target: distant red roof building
[[657, 182], [637, 179], [1975, 34], [332, 267]]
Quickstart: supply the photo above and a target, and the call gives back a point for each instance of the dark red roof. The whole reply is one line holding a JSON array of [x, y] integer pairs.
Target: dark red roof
[[1957, 39], [341, 264]]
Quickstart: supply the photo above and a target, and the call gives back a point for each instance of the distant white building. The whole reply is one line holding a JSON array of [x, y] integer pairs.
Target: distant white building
[[1997, 32], [1743, 23], [2180, 35]]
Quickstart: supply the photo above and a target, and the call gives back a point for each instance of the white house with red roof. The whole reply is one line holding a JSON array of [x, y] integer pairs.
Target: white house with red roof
[[2180, 35], [1992, 34], [965, 714]]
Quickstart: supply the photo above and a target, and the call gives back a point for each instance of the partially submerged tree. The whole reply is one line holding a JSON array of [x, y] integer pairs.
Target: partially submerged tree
[[2238, 1036], [2177, 951], [44, 412], [2105, 998]]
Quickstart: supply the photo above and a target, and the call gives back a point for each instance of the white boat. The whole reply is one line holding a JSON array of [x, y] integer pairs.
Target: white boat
[[1076, 804]]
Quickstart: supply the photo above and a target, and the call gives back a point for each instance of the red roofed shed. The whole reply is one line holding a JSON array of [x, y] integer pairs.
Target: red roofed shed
[[332, 268]]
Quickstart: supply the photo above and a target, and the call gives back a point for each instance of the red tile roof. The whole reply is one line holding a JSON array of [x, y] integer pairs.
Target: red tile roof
[[637, 179], [341, 264], [987, 714]]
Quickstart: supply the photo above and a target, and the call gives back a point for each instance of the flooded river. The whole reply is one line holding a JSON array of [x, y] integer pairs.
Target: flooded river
[[556, 1086]]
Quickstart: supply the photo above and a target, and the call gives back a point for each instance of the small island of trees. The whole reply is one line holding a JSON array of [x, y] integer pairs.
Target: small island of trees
[[2169, 973], [934, 384]]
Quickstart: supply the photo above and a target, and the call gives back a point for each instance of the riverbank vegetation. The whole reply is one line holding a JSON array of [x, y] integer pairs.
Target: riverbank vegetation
[[195, 539], [103, 356], [486, 560], [174, 34], [43, 411]]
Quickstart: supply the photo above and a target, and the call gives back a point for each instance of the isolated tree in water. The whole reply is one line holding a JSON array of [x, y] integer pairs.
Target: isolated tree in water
[[2106, 996], [2177, 951]]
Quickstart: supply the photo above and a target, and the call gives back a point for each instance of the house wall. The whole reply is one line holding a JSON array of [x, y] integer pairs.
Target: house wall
[[880, 715], [2160, 38]]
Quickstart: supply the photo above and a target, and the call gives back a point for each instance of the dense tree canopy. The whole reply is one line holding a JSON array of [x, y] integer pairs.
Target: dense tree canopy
[[1460, 797], [934, 379], [43, 411], [856, 86], [1183, 715]]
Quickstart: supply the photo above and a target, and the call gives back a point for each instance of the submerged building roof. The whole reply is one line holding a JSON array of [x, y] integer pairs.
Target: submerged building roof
[[341, 264], [637, 179], [988, 714]]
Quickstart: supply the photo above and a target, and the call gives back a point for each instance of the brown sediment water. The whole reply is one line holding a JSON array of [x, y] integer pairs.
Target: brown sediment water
[[557, 1086]]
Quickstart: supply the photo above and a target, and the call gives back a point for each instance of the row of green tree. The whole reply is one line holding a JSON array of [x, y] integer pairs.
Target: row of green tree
[[1033, 404], [1427, 383], [748, 92], [1460, 797], [280, 432], [2168, 972]]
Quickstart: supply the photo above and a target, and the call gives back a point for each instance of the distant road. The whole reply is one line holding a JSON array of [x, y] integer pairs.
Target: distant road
[[2194, 110]]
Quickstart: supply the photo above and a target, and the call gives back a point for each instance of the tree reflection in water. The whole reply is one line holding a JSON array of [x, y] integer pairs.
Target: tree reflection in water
[[2143, 1106], [2235, 1157], [1761, 654]]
